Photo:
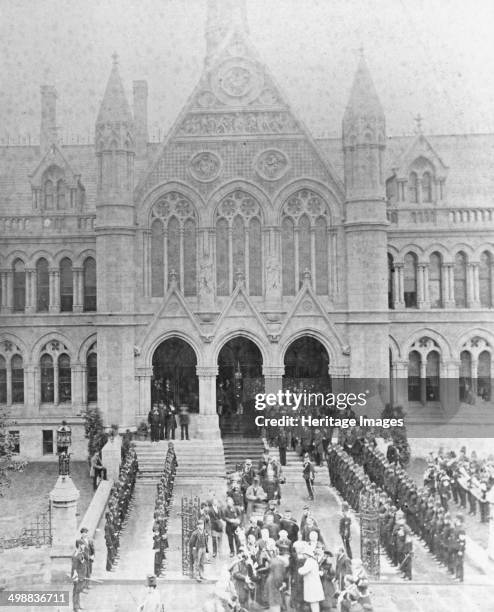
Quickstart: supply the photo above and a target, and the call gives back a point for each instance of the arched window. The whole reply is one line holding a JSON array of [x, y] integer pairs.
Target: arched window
[[413, 188], [460, 280], [426, 187], [48, 194], [486, 275], [47, 379], [42, 285], [410, 280], [465, 376], [157, 259], [288, 256], [222, 258], [3, 380], [61, 194], [66, 285], [19, 286], [17, 370], [92, 377], [414, 361], [89, 272], [64, 379], [305, 225], [173, 244], [391, 271], [484, 376], [435, 280], [238, 243], [432, 377]]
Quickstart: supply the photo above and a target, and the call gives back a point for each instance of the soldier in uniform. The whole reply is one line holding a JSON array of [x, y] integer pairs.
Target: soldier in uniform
[[345, 529]]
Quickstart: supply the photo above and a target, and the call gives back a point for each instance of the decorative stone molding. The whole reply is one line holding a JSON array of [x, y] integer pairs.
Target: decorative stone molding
[[238, 81]]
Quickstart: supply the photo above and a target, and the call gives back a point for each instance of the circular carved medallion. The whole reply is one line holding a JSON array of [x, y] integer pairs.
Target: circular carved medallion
[[237, 82], [205, 166], [239, 305], [272, 164], [307, 305]]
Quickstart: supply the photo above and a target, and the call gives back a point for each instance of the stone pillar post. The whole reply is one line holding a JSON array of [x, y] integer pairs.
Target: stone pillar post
[[423, 381], [473, 297], [398, 300], [420, 285], [448, 283], [31, 297], [400, 383], [273, 378], [77, 284], [55, 290], [144, 377], [475, 373], [111, 457], [63, 500], [205, 425]]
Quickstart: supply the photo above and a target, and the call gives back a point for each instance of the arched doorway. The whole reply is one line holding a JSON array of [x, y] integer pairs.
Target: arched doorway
[[239, 379], [174, 375], [307, 366]]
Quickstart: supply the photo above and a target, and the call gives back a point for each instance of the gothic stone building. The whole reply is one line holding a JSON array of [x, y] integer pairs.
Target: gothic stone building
[[240, 254]]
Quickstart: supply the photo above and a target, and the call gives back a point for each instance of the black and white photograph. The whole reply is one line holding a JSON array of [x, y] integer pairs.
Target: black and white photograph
[[247, 305]]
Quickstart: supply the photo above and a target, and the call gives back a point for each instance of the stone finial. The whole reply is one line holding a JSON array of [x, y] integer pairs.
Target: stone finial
[[173, 278], [239, 279]]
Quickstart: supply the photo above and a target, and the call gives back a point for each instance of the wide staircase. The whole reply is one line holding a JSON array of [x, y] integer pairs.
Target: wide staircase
[[238, 448]]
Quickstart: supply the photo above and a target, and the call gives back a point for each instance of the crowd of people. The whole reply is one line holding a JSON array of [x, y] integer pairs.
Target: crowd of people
[[277, 561], [164, 419], [461, 479], [162, 508], [118, 506]]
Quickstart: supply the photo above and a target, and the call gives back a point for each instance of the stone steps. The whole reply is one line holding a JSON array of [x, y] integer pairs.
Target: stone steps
[[237, 449]]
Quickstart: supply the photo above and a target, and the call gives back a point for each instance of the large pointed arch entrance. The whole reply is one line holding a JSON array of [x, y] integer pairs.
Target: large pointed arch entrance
[[174, 377], [239, 379], [307, 366]]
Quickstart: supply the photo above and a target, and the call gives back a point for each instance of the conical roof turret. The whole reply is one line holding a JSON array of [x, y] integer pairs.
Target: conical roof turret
[[114, 107], [363, 100]]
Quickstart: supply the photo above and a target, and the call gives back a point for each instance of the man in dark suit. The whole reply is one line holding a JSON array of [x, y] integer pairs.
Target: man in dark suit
[[345, 529]]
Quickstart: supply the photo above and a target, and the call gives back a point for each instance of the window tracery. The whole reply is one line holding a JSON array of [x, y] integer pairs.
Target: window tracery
[[305, 224], [173, 244]]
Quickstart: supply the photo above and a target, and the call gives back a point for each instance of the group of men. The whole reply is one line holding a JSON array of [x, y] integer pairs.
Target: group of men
[[162, 508], [82, 567], [162, 419], [354, 485], [461, 479], [118, 506]]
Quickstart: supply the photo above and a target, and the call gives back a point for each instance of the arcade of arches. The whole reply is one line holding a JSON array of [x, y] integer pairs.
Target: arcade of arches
[[239, 376]]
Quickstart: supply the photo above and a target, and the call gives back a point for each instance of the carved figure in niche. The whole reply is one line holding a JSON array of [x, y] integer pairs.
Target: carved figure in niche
[[273, 274], [206, 277]]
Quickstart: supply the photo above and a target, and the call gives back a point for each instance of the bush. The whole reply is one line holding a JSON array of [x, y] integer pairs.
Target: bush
[[95, 431]]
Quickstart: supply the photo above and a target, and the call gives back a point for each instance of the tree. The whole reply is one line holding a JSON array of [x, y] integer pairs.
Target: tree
[[95, 431], [6, 449]]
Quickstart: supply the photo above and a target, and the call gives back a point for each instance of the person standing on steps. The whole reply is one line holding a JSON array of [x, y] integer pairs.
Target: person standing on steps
[[198, 544], [184, 420], [152, 601], [309, 475]]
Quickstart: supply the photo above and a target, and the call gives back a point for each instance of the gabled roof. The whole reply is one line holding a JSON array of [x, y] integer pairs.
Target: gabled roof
[[420, 147], [53, 157]]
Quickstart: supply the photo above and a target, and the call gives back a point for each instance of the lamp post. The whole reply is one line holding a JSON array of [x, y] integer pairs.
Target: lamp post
[[64, 440]]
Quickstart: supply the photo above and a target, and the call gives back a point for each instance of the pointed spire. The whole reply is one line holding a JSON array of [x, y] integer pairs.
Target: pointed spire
[[363, 100], [223, 16], [114, 106]]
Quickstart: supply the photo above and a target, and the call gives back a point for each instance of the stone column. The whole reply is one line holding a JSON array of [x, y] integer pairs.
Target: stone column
[[205, 425], [77, 285], [473, 297], [55, 290], [144, 377], [31, 297], [63, 500], [400, 373], [111, 457], [30, 389], [78, 380], [273, 378], [398, 300], [449, 294], [423, 381], [475, 372], [4, 291], [10, 291], [448, 387], [427, 299], [420, 285]]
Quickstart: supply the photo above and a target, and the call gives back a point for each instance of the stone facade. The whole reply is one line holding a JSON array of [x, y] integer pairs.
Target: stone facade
[[240, 224]]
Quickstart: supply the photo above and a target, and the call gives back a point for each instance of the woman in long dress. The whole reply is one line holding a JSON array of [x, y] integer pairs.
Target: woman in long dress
[[313, 591]]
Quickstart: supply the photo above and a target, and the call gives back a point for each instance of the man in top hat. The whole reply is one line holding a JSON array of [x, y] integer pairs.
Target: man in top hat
[[345, 529], [198, 544], [152, 601]]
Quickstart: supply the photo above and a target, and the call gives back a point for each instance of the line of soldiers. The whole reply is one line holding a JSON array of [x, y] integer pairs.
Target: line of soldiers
[[356, 488], [118, 506], [425, 514], [162, 508]]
